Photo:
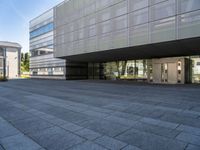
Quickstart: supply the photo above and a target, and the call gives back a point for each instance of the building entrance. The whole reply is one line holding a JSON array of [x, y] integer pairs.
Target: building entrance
[[169, 70], [172, 73], [174, 70]]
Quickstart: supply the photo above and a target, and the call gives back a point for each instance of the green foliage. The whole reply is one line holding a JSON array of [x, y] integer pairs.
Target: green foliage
[[3, 79], [25, 61]]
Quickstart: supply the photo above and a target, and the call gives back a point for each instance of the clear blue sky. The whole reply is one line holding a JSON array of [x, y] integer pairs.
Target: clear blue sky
[[15, 16]]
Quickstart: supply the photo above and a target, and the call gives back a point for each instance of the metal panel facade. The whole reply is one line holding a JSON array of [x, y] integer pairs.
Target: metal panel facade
[[85, 26]]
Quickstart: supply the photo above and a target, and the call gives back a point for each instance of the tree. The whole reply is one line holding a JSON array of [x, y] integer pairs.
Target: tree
[[25, 62], [22, 57], [121, 68], [124, 65], [26, 58]]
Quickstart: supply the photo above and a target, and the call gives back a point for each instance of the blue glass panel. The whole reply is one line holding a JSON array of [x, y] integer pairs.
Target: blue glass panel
[[42, 30]]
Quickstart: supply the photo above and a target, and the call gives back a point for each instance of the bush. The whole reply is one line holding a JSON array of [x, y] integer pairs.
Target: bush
[[3, 79]]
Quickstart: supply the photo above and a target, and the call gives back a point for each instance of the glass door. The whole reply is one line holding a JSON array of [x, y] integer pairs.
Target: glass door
[[195, 69]]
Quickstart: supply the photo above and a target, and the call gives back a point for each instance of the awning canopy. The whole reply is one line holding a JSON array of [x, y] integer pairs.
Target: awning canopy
[[185, 47]]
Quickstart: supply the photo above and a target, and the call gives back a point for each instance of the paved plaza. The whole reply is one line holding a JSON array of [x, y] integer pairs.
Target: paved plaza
[[98, 115]]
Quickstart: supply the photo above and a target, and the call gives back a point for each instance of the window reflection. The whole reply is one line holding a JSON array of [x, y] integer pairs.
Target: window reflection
[[42, 30], [195, 69], [132, 69]]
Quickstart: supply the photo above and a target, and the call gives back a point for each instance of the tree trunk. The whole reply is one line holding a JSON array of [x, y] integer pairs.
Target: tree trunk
[[124, 64]]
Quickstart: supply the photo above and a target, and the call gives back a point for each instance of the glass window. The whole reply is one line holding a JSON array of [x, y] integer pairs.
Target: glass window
[[132, 69], [140, 69], [42, 30], [196, 70]]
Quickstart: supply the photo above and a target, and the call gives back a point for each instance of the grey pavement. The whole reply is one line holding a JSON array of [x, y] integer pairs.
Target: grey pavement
[[98, 115]]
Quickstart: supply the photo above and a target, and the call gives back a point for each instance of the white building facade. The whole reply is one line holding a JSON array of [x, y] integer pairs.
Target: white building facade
[[10, 58]]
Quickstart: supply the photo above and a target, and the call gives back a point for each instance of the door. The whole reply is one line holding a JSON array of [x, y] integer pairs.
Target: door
[[172, 73], [157, 73]]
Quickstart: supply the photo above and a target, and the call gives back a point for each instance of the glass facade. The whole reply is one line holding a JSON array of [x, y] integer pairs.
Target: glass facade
[[42, 30], [174, 70], [47, 65], [126, 70], [195, 69], [42, 61], [41, 34]]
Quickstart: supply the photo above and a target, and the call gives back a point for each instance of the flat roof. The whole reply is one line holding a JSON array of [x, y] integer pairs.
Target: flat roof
[[9, 44]]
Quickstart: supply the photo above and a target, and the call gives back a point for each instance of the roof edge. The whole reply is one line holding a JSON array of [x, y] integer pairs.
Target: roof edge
[[10, 44]]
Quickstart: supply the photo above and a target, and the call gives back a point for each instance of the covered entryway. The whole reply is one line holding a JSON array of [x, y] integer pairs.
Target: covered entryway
[[169, 70]]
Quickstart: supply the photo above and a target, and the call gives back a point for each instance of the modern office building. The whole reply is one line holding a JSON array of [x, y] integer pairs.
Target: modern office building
[[10, 54], [145, 40], [42, 62]]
